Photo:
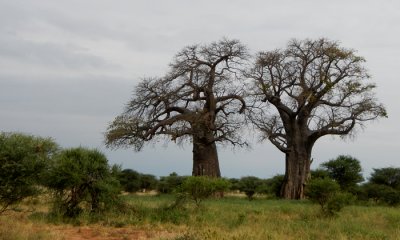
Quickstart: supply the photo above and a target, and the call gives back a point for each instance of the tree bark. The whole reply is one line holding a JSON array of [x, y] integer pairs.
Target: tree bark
[[297, 171], [205, 159]]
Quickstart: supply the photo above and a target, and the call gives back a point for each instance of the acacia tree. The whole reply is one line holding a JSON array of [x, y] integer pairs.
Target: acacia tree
[[345, 170], [315, 88], [198, 100]]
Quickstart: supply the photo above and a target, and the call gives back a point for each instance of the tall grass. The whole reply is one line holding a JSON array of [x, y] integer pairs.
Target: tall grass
[[229, 218]]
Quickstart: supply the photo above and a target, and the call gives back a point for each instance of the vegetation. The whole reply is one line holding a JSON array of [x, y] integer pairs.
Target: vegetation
[[227, 218], [311, 89], [80, 175], [199, 188], [326, 192], [129, 180], [345, 170], [23, 160], [168, 184], [85, 185], [250, 185]]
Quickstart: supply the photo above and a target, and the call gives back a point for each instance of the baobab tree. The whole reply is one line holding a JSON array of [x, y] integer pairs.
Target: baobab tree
[[310, 89], [199, 100]]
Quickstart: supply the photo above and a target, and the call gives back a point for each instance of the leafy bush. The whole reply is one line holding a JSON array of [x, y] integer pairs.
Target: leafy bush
[[129, 180], [199, 188], [249, 185], [78, 176], [23, 159], [319, 173], [234, 184], [171, 183], [386, 176], [325, 192], [274, 185], [382, 194], [148, 182]]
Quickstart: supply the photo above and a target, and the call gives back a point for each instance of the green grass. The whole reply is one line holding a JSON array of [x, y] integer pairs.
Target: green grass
[[238, 218]]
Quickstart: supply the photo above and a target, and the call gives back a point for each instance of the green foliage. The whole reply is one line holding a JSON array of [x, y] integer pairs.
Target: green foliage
[[234, 184], [319, 173], [326, 192], [249, 185], [171, 183], [386, 176], [148, 182], [382, 193], [78, 176], [321, 190], [273, 185], [199, 188], [345, 170], [129, 180], [23, 159]]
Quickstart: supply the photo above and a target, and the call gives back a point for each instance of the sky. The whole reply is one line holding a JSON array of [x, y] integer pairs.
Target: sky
[[68, 67]]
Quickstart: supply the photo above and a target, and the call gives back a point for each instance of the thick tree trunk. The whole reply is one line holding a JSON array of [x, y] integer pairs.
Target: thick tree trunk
[[297, 172], [205, 159]]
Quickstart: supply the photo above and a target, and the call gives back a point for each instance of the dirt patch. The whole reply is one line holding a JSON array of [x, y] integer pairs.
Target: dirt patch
[[107, 233]]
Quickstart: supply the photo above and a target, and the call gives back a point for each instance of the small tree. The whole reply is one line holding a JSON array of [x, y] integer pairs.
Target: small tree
[[326, 192], [80, 175], [148, 182], [129, 180], [23, 158], [386, 176], [345, 170], [171, 183], [250, 185], [199, 188]]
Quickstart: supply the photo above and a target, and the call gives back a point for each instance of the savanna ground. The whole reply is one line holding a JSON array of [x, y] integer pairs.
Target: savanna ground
[[151, 217]]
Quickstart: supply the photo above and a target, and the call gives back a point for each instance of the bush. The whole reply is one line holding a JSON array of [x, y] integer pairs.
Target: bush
[[148, 182], [199, 188], [171, 183], [78, 176], [274, 185], [386, 176], [382, 194], [129, 180], [249, 185], [23, 159], [325, 192]]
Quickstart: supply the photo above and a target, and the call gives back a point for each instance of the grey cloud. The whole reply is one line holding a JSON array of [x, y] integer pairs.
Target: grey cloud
[[49, 54]]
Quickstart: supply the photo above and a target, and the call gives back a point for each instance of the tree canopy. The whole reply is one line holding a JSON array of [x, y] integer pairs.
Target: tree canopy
[[23, 159], [345, 170]]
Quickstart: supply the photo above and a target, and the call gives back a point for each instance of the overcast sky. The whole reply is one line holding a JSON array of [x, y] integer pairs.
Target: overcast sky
[[68, 67]]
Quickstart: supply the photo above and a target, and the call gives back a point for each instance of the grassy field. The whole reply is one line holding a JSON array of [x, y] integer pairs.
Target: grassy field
[[150, 217]]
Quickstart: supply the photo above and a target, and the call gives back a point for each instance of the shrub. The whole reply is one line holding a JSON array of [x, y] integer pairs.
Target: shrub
[[386, 176], [23, 159], [249, 185], [171, 183], [148, 182], [325, 192], [382, 193], [199, 188], [129, 180], [274, 185], [80, 175]]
